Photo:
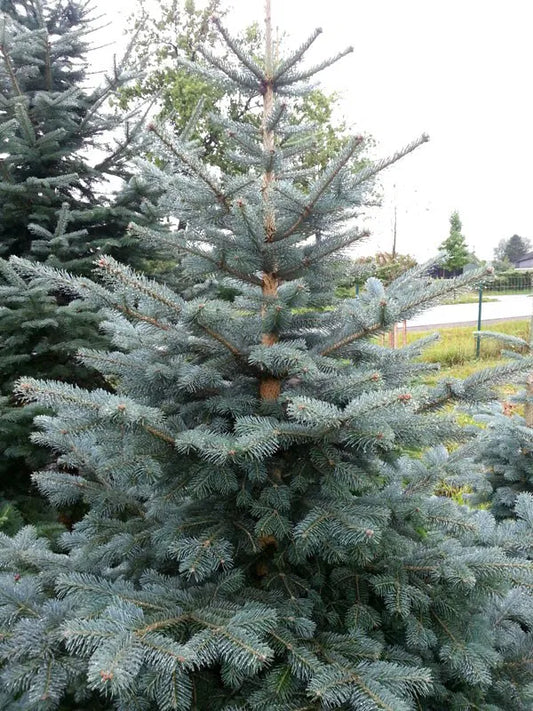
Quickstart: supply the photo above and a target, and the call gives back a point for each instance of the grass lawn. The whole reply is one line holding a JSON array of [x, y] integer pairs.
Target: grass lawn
[[456, 348], [455, 351], [472, 297]]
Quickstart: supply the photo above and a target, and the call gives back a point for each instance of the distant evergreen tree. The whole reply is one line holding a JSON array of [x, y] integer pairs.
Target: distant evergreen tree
[[58, 156], [455, 248], [256, 535]]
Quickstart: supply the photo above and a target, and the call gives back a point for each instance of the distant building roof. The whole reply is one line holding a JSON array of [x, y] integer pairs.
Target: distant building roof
[[525, 258]]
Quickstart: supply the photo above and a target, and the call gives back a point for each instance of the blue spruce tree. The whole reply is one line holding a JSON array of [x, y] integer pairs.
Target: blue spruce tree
[[255, 535], [504, 448]]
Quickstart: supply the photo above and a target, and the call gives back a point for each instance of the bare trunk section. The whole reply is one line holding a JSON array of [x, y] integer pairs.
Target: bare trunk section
[[528, 408], [270, 387]]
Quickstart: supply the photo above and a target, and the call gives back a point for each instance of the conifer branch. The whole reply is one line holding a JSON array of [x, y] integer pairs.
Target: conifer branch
[[248, 63], [239, 79], [302, 76], [160, 435], [182, 244], [191, 124], [323, 251], [52, 394], [473, 386], [329, 174], [447, 630], [224, 632], [141, 317], [29, 390], [89, 584], [377, 167], [224, 266], [162, 624], [192, 163], [411, 307], [138, 283], [288, 63], [218, 337], [368, 331], [10, 70], [351, 678]]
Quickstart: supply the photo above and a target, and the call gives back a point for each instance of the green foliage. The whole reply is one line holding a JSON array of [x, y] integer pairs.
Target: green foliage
[[160, 39], [330, 137], [512, 249], [384, 266], [511, 280], [49, 122], [454, 246], [456, 345], [254, 532], [389, 267], [40, 336]]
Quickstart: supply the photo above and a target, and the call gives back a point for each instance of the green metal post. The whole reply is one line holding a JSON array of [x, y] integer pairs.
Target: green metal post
[[480, 303], [357, 288]]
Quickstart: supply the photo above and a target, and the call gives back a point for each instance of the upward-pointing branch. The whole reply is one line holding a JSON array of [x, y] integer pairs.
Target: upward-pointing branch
[[322, 185], [301, 76], [195, 165], [295, 58], [377, 167], [9, 66], [252, 66]]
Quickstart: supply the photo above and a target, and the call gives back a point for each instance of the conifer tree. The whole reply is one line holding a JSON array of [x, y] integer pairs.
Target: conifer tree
[[55, 130], [257, 535], [172, 30], [505, 444], [56, 163], [454, 247]]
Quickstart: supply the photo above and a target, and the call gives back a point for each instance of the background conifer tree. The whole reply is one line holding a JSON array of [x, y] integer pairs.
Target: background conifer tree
[[454, 246], [60, 149], [256, 534]]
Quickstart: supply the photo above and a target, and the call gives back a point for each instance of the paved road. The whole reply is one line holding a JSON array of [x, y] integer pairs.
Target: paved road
[[506, 307]]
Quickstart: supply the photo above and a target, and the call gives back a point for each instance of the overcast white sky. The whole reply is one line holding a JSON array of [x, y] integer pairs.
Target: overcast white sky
[[460, 70]]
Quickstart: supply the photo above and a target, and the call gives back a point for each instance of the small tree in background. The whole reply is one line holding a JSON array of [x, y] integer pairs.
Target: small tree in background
[[256, 535], [455, 248]]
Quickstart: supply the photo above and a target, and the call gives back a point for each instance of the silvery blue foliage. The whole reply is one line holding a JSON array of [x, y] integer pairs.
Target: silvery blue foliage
[[259, 527]]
